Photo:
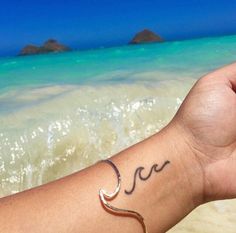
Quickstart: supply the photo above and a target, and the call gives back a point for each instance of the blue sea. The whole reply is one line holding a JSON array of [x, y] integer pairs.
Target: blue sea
[[62, 112]]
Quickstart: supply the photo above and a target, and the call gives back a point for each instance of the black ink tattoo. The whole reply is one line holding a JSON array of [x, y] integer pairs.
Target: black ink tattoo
[[138, 173]]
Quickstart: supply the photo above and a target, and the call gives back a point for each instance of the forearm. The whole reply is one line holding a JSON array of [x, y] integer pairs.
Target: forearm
[[72, 204]]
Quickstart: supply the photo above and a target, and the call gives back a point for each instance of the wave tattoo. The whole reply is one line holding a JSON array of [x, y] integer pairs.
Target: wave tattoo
[[138, 173]]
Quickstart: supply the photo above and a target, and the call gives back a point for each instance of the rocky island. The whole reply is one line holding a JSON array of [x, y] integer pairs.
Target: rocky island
[[49, 46], [146, 36]]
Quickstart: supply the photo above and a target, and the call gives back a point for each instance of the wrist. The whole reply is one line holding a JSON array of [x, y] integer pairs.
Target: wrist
[[188, 171], [179, 188]]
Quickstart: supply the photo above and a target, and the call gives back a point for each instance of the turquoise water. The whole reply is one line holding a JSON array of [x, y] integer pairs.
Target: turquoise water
[[62, 112], [89, 66]]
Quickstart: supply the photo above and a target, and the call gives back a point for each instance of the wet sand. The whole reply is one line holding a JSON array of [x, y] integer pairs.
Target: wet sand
[[217, 217]]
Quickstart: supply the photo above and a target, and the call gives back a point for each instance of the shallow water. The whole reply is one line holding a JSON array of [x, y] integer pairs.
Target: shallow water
[[71, 127], [62, 112]]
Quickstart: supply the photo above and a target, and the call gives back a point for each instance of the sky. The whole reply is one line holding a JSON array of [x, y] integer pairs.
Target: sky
[[84, 24]]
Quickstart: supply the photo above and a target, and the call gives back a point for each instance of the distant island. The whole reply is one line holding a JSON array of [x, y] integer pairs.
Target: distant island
[[52, 45], [146, 36], [49, 46]]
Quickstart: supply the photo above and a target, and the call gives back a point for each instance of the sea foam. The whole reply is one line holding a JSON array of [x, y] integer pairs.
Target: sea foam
[[57, 130]]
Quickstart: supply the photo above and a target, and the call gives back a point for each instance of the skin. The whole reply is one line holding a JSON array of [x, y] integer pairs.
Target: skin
[[200, 143]]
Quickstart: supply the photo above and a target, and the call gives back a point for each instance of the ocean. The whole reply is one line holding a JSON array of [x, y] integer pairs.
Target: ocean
[[62, 112]]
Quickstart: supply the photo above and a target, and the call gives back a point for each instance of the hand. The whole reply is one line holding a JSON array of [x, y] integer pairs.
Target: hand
[[208, 119]]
